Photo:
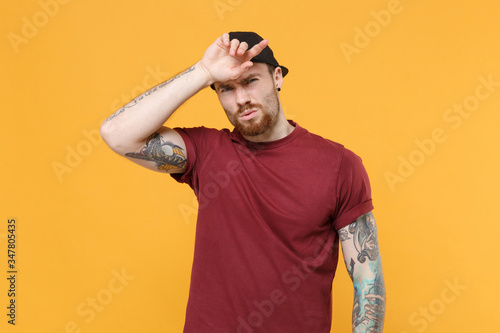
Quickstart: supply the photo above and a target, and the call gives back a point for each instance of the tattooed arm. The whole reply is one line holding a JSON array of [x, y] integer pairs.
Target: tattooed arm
[[362, 258], [136, 130]]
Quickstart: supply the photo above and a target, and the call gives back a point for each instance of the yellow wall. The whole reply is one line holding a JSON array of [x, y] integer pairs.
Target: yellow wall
[[391, 93]]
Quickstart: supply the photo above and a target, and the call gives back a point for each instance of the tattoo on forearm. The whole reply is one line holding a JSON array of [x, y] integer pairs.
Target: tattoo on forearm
[[365, 237], [166, 155], [369, 306], [369, 292], [136, 100]]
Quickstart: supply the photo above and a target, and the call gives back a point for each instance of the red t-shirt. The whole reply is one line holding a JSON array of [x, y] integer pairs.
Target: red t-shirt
[[266, 244]]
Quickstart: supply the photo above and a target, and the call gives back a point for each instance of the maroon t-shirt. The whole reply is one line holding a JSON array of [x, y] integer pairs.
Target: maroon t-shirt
[[266, 245]]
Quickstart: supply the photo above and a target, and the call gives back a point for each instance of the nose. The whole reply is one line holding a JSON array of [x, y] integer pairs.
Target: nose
[[242, 96]]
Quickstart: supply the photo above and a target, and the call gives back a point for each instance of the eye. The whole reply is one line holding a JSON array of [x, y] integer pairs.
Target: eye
[[226, 89], [248, 81]]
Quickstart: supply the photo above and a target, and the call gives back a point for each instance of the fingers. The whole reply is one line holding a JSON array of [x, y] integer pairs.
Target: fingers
[[240, 52], [242, 48], [256, 49], [237, 49], [225, 39]]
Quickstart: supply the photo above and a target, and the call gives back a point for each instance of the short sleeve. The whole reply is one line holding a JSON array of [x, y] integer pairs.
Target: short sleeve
[[199, 143], [186, 177], [353, 194]]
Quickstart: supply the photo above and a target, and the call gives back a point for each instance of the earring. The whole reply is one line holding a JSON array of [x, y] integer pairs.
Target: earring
[[279, 89]]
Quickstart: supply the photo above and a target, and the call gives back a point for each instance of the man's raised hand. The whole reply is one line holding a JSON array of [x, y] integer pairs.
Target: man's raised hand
[[228, 59]]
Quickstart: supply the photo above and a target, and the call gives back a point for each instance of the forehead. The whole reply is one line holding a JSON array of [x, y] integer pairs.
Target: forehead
[[258, 68]]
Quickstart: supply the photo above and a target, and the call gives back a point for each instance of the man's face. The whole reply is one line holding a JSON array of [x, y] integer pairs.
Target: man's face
[[251, 102]]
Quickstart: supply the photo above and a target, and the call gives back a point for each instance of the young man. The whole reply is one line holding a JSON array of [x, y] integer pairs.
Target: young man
[[274, 199]]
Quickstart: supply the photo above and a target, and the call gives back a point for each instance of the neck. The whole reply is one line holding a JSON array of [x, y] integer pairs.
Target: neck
[[279, 130]]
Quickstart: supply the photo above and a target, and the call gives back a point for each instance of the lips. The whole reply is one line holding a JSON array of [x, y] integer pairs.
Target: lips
[[248, 114]]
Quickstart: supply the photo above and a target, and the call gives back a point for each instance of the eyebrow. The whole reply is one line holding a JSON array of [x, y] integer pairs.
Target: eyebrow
[[249, 77]]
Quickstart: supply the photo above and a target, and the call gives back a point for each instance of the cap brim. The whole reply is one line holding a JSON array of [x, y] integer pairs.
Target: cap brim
[[284, 70]]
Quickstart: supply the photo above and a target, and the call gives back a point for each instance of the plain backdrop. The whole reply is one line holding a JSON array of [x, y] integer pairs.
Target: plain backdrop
[[413, 87]]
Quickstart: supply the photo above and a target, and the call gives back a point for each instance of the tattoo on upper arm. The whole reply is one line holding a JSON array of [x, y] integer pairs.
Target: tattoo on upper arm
[[135, 101], [343, 234], [351, 269], [364, 234], [166, 155]]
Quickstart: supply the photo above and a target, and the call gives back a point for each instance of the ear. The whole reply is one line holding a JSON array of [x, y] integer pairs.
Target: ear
[[278, 77]]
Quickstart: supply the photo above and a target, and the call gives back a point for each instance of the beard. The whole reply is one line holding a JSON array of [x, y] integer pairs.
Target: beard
[[252, 127]]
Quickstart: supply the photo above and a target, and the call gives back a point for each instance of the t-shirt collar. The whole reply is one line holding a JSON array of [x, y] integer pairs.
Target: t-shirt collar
[[237, 137]]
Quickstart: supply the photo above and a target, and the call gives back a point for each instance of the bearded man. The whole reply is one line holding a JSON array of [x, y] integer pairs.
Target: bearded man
[[274, 199]]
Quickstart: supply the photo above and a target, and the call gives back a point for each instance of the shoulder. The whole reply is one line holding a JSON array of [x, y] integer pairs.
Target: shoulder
[[350, 159], [344, 160], [330, 150], [201, 133], [200, 130], [320, 142]]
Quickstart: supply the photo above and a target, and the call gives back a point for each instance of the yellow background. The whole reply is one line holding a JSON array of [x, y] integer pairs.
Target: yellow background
[[79, 227]]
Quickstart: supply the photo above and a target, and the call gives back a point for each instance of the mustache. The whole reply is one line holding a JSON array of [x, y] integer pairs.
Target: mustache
[[247, 107]]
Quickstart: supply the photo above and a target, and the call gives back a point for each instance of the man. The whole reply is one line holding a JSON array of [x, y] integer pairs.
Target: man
[[274, 199]]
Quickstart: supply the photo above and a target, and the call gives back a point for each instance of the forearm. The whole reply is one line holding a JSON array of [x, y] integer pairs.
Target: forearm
[[362, 258], [134, 122], [369, 304]]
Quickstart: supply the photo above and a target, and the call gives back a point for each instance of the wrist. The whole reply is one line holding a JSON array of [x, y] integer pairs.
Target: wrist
[[204, 73]]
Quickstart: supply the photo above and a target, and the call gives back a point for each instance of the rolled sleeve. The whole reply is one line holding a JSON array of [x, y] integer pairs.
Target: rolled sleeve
[[353, 191]]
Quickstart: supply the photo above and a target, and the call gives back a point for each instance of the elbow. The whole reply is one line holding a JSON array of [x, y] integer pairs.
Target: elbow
[[109, 134], [105, 131]]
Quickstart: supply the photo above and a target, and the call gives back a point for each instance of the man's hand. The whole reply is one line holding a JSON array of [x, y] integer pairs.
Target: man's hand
[[136, 130], [227, 60]]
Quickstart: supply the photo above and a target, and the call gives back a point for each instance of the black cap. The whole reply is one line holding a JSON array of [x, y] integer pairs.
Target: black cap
[[266, 56]]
